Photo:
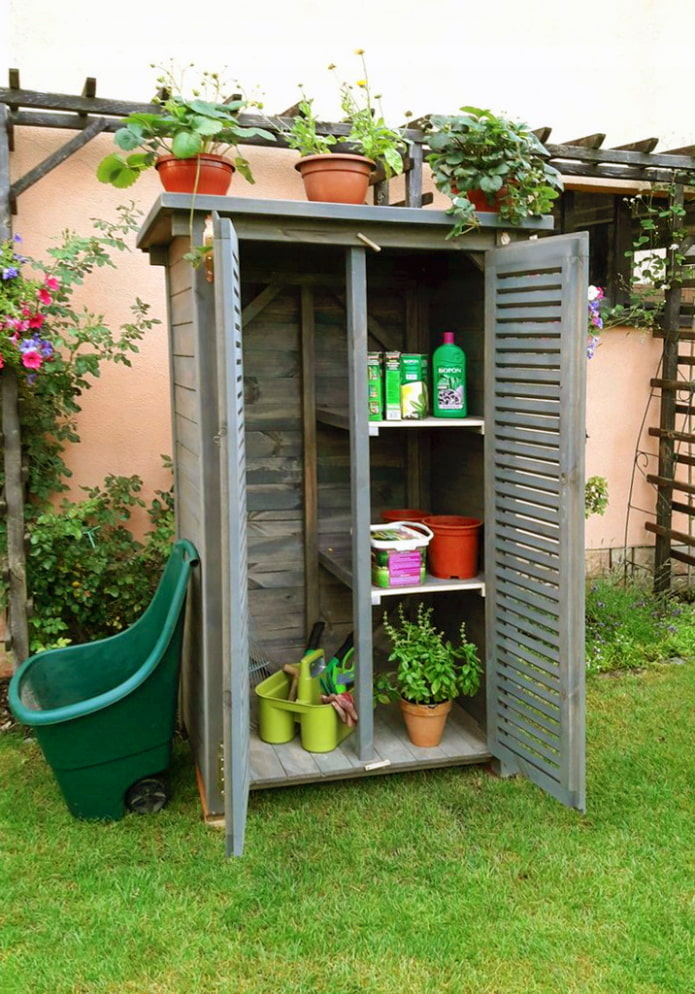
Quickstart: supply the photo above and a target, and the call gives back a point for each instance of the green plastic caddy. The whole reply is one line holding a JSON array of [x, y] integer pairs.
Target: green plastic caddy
[[104, 712]]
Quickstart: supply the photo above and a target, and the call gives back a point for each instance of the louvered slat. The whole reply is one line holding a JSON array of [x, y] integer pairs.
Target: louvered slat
[[535, 368], [234, 534]]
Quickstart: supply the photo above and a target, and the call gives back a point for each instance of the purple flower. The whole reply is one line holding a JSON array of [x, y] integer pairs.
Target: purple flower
[[10, 273]]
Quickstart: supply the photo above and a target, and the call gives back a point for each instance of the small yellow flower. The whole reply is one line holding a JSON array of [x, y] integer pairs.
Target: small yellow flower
[[332, 65], [362, 83], [359, 51]]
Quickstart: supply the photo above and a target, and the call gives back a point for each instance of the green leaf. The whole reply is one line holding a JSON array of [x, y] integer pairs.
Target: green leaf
[[115, 170], [186, 144]]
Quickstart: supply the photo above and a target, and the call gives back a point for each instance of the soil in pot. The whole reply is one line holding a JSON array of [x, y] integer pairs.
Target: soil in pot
[[335, 178], [454, 552], [202, 174], [425, 722]]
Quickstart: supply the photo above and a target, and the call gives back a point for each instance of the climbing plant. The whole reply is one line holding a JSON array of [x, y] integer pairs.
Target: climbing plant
[[81, 342], [656, 257]]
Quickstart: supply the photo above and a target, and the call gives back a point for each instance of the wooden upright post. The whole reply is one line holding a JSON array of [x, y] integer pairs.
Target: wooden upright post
[[14, 566], [667, 419]]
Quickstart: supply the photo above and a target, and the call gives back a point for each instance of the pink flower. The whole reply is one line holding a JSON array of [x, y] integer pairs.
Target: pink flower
[[36, 320], [52, 283], [32, 360], [44, 296], [2, 361]]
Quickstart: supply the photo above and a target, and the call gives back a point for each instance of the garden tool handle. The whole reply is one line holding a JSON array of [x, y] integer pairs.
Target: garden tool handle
[[345, 648], [315, 636], [292, 671]]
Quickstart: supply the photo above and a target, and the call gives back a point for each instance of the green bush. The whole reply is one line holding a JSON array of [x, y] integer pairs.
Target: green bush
[[627, 626], [88, 575]]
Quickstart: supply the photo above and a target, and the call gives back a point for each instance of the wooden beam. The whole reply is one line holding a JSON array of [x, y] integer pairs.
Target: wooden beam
[[645, 145], [14, 497], [13, 76], [589, 141], [671, 435], [5, 201], [596, 156], [89, 90], [688, 385], [37, 100], [679, 508], [667, 422], [669, 534], [684, 150], [542, 134], [292, 111], [660, 481], [55, 159], [683, 557], [260, 302], [312, 605]]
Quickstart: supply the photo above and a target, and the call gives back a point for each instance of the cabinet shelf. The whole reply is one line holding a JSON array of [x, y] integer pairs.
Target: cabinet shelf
[[338, 419], [334, 555]]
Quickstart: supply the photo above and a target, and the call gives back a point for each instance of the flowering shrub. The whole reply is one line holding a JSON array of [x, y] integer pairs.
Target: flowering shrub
[[595, 296], [24, 301]]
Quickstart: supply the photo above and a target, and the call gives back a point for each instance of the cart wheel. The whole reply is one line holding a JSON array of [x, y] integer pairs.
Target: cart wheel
[[147, 796]]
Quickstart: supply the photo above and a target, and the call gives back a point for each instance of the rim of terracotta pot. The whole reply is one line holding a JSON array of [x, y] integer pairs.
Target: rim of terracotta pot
[[335, 157], [453, 522], [206, 156], [205, 173]]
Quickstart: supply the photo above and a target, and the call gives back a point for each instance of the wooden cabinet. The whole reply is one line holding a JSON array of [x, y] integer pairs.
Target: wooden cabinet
[[279, 473]]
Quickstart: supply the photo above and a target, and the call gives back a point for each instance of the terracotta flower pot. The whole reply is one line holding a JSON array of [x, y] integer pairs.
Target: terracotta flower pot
[[454, 550], [405, 514], [336, 177], [487, 203], [204, 174], [425, 722]]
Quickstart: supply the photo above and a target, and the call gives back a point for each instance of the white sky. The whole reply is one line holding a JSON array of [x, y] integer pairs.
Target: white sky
[[624, 67]]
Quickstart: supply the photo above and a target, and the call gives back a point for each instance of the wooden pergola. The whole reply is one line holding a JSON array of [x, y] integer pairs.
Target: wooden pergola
[[580, 161]]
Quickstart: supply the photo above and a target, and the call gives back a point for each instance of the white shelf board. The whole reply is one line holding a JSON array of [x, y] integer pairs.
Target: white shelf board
[[337, 561], [340, 420]]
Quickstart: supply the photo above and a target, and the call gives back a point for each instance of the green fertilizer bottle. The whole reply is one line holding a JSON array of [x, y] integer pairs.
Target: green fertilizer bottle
[[449, 380]]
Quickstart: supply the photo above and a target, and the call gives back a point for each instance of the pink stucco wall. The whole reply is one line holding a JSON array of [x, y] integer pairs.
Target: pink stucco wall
[[620, 409]]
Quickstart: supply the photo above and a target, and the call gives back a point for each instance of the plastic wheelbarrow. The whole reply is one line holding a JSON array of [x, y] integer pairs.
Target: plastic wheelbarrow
[[104, 712]]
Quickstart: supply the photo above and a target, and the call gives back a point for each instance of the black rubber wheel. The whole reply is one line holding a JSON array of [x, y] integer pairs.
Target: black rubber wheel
[[147, 796]]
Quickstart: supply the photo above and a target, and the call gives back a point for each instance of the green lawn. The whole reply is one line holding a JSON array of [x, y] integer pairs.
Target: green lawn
[[444, 881]]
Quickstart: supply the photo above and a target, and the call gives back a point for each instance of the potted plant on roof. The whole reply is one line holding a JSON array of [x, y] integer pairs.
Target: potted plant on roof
[[431, 673], [192, 141], [489, 163], [339, 170]]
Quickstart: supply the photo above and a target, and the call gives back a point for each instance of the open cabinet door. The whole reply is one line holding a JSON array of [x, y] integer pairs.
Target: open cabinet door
[[235, 640], [535, 369]]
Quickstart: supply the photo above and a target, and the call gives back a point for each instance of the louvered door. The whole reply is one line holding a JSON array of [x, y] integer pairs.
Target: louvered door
[[534, 548], [233, 540]]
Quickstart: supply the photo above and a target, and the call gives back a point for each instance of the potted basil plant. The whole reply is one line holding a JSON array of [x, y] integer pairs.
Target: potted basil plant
[[192, 141], [484, 162], [431, 672]]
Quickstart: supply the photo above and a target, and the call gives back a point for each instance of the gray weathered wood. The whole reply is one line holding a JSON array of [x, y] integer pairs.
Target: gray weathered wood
[[463, 744], [311, 559], [48, 164], [356, 292], [233, 537], [535, 659], [12, 455]]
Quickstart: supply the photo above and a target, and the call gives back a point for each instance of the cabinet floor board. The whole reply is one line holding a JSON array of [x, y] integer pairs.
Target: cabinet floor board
[[284, 765]]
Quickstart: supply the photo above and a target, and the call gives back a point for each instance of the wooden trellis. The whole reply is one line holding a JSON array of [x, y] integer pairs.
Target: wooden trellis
[[86, 116]]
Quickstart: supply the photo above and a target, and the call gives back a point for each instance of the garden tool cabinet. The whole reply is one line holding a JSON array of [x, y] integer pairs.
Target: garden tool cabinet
[[279, 474]]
